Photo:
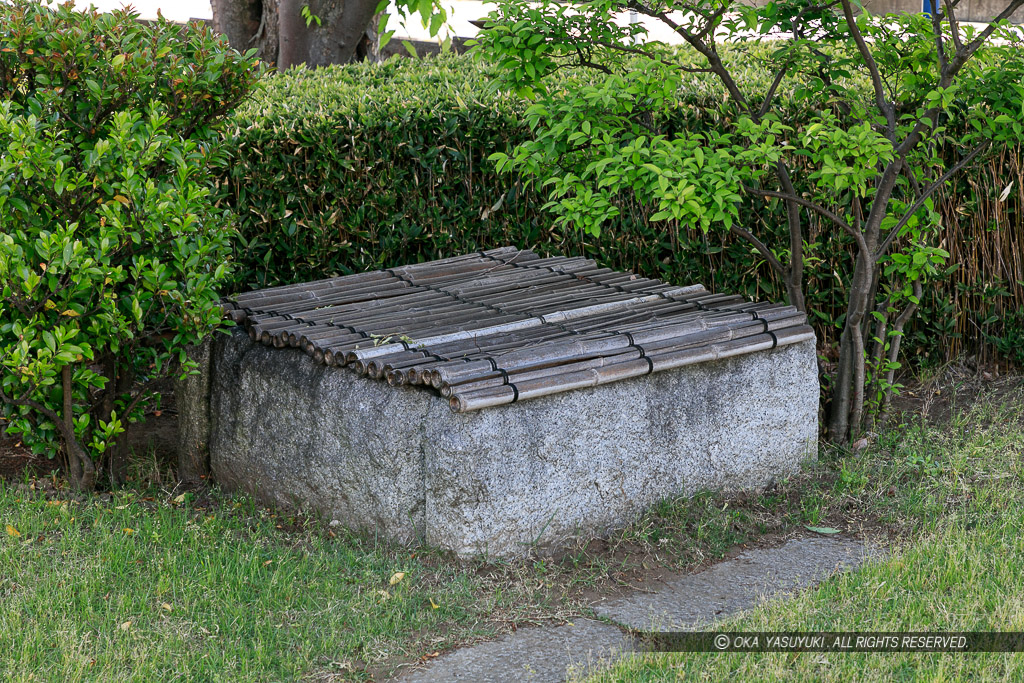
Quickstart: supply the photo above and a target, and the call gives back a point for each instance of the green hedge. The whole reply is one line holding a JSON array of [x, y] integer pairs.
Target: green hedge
[[350, 168]]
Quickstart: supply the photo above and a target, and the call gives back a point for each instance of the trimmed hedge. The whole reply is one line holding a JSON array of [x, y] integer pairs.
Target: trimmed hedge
[[345, 169]]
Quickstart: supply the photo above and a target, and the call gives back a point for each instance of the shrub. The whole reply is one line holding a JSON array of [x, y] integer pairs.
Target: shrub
[[112, 250], [349, 168]]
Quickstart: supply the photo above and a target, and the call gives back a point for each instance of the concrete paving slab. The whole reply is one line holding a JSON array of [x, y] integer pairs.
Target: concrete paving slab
[[530, 655], [546, 655], [696, 600]]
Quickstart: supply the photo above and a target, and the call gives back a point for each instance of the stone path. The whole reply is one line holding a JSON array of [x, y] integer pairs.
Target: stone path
[[545, 655]]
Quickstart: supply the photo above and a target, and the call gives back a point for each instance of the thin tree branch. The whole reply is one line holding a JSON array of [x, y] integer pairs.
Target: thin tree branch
[[928, 192], [771, 91], [876, 78], [954, 25], [973, 46], [64, 426], [585, 61], [625, 48], [817, 208], [914, 183], [707, 49], [894, 350], [939, 47], [795, 277], [712, 23], [761, 247]]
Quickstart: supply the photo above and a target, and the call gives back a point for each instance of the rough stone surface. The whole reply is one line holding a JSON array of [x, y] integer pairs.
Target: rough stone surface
[[546, 655], [498, 481]]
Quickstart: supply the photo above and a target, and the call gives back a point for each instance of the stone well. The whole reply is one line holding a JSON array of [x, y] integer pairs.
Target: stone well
[[498, 402], [502, 481]]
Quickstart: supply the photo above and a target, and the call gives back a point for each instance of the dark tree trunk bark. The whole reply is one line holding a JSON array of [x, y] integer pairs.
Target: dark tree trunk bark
[[249, 24], [82, 470], [281, 36], [238, 20], [192, 395], [118, 455], [345, 23], [293, 41]]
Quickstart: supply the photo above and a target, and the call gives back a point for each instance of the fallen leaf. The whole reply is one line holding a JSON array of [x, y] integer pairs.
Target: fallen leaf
[[180, 499], [122, 507], [12, 532], [434, 604], [125, 626], [166, 606], [384, 595], [1006, 192], [128, 531], [267, 562], [396, 578], [821, 529]]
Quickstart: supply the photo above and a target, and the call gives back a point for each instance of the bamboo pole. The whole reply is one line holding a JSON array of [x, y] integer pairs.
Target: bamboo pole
[[343, 338], [504, 325], [555, 352], [557, 317], [464, 350], [349, 302], [339, 290], [260, 324], [345, 280], [670, 359], [615, 349]]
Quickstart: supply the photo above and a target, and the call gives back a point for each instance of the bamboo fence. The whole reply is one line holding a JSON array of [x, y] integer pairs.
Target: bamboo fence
[[504, 325]]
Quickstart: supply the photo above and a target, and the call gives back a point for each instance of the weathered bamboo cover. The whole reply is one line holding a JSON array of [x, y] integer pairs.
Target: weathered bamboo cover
[[505, 325]]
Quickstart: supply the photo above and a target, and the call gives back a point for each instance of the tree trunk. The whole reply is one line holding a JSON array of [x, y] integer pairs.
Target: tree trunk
[[82, 471], [192, 395], [795, 272], [118, 455], [894, 352], [851, 354], [369, 46], [238, 20], [293, 40], [248, 24], [282, 36]]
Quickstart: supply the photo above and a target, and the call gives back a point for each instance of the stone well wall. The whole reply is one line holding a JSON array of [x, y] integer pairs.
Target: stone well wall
[[397, 461]]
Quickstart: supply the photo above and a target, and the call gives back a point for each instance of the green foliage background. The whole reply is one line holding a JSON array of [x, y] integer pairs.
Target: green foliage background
[[351, 168], [111, 253]]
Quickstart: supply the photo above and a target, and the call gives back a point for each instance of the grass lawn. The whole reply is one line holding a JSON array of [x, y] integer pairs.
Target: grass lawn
[[962, 571], [141, 586]]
